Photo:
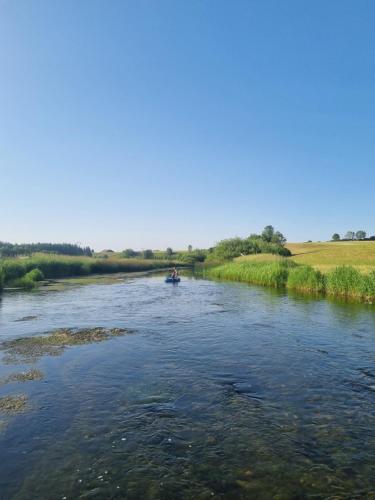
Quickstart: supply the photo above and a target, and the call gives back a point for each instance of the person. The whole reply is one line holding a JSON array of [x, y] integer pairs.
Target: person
[[174, 273]]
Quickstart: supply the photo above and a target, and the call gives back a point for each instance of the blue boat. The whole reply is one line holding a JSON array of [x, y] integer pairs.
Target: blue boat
[[169, 279]]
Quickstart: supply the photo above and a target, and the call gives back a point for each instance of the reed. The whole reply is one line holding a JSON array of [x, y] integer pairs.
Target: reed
[[306, 279], [272, 274], [22, 271], [344, 281]]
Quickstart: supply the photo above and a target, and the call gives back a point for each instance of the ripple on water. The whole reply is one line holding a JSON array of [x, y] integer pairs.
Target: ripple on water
[[262, 402]]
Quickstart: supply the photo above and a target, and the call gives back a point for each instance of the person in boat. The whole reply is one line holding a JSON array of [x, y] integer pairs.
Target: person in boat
[[174, 273]]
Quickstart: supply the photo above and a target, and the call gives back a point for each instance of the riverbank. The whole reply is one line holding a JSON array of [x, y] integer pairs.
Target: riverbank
[[277, 272], [27, 272]]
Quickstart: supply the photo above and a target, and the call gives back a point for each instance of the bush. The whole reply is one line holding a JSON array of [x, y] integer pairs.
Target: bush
[[234, 247], [29, 279], [35, 275]]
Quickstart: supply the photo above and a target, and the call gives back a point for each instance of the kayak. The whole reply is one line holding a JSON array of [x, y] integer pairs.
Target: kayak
[[168, 279]]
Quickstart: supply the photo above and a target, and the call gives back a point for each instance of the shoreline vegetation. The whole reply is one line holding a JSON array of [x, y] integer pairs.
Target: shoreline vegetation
[[342, 282], [344, 269], [27, 272]]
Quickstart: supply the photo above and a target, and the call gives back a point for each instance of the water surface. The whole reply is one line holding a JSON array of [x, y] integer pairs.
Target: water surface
[[222, 390]]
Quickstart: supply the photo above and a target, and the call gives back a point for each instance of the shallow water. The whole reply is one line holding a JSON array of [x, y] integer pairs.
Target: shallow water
[[222, 390]]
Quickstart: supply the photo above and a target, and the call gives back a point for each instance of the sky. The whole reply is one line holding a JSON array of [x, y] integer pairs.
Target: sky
[[147, 124]]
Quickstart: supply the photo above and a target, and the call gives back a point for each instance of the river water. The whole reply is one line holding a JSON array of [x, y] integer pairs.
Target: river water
[[222, 390]]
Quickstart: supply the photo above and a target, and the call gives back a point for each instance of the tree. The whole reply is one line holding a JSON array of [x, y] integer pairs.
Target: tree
[[148, 254], [190, 248], [169, 251], [349, 235], [271, 236], [128, 253], [360, 235], [267, 233], [278, 238], [335, 237]]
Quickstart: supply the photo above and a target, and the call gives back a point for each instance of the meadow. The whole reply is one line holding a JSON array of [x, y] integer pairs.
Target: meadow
[[328, 255]]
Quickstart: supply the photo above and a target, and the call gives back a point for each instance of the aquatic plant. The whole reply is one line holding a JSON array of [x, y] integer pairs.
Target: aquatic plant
[[13, 404], [30, 349], [27, 376]]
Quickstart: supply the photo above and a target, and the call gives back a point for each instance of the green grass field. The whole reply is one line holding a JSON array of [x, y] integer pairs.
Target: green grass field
[[326, 256]]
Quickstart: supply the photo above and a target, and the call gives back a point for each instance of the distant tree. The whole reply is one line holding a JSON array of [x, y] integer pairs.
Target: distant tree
[[148, 254], [169, 251], [128, 253], [190, 248], [350, 235], [10, 249], [360, 235], [278, 238], [335, 237], [271, 236], [268, 233]]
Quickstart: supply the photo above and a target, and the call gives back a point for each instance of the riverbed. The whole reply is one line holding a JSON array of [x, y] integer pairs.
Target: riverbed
[[215, 390]]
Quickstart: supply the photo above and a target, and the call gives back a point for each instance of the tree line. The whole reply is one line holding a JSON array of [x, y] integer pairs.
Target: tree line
[[15, 249], [352, 235]]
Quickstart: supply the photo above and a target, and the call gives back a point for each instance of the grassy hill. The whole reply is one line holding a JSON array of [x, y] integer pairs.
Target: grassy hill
[[326, 256]]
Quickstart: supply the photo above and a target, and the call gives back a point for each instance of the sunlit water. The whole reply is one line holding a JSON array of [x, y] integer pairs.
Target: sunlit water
[[223, 390]]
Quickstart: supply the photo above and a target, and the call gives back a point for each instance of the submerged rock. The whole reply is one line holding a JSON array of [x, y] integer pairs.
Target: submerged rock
[[30, 349], [27, 318]]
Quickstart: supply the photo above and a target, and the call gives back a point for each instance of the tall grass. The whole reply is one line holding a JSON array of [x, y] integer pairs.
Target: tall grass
[[16, 272], [344, 281], [272, 274], [306, 279]]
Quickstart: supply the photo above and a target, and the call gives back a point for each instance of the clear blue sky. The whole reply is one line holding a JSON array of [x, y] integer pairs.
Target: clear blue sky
[[155, 123]]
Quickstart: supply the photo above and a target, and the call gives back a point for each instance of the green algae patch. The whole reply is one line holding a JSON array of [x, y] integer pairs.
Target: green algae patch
[[30, 349], [13, 404], [30, 375]]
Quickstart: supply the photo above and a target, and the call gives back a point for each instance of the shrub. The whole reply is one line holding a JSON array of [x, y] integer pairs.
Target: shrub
[[234, 247], [35, 275], [29, 279]]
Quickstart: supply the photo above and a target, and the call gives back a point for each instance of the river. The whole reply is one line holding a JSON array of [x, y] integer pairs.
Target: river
[[220, 390]]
